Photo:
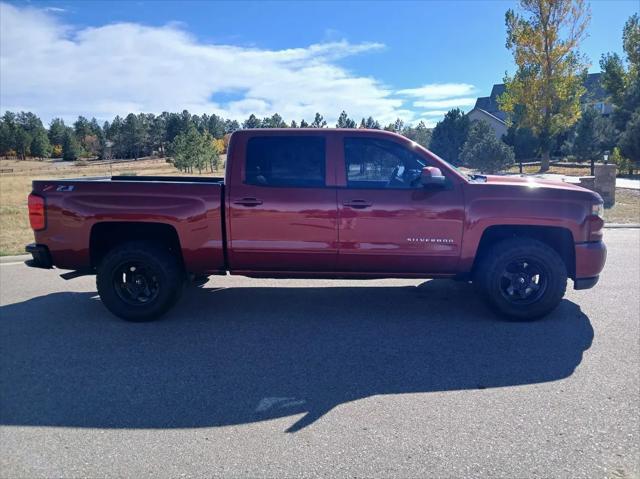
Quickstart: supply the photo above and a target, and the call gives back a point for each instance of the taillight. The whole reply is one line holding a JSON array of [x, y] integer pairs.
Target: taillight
[[37, 212], [595, 222]]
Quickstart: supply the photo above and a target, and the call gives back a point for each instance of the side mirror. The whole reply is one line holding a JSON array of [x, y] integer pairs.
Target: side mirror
[[432, 176]]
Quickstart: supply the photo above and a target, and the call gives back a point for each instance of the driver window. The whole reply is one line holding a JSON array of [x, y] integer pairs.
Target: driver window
[[375, 163]]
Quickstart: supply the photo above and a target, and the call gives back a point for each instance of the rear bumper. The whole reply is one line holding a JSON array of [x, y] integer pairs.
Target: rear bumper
[[590, 260], [41, 257]]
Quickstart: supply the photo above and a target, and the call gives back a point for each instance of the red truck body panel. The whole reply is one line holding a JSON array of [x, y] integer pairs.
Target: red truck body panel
[[523, 202], [311, 230], [193, 209], [259, 230], [293, 230]]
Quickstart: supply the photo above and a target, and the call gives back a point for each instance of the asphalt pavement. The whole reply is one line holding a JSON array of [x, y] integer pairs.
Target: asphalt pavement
[[297, 378]]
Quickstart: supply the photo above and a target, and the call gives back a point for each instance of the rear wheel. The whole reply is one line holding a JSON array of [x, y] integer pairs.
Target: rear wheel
[[522, 278], [139, 280]]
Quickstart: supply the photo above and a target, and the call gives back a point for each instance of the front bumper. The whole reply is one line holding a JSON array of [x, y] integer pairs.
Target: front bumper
[[41, 257], [590, 259], [585, 283]]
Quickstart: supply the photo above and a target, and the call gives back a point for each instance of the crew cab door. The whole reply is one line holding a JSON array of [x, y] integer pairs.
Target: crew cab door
[[388, 221], [282, 214]]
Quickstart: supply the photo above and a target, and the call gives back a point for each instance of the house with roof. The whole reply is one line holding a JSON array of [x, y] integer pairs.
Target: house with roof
[[487, 109]]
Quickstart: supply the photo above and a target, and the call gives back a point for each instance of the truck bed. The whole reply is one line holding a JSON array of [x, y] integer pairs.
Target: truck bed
[[82, 211]]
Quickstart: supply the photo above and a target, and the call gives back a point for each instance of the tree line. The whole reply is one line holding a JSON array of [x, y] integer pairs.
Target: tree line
[[193, 141], [136, 135]]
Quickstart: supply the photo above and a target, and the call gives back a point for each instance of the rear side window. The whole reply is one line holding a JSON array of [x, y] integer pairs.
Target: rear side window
[[286, 161]]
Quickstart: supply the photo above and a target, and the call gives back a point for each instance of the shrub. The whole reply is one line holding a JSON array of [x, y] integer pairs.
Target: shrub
[[219, 145], [630, 140], [621, 162], [484, 152], [56, 152]]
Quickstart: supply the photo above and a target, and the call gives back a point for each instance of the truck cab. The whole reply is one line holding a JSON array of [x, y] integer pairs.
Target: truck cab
[[341, 202]]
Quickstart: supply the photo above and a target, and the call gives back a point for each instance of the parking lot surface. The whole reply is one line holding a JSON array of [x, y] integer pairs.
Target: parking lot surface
[[284, 378]]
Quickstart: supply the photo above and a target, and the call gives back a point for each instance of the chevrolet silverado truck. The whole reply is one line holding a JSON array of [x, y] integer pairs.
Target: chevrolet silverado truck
[[320, 203]]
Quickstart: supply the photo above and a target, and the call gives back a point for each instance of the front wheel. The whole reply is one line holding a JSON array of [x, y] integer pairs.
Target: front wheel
[[139, 280], [522, 278]]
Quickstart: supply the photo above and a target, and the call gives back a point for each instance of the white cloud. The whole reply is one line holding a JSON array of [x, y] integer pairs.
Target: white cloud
[[432, 113], [54, 69], [448, 103], [437, 97], [439, 91]]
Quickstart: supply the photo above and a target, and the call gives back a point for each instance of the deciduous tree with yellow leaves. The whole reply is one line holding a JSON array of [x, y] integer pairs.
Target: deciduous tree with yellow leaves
[[548, 83]]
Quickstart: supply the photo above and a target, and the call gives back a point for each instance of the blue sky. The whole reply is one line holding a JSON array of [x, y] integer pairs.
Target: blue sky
[[408, 59]]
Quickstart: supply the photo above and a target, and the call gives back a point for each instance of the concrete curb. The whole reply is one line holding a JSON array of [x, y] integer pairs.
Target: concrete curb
[[14, 259], [622, 225]]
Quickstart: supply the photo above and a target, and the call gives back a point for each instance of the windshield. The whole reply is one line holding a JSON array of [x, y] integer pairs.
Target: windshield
[[467, 176], [471, 177]]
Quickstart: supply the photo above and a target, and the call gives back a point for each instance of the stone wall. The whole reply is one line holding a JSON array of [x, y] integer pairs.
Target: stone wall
[[603, 182]]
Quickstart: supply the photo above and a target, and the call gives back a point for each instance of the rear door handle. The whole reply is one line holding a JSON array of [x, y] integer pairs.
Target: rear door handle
[[248, 202], [357, 204]]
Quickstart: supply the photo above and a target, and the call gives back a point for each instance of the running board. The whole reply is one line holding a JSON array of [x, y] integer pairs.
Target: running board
[[77, 274]]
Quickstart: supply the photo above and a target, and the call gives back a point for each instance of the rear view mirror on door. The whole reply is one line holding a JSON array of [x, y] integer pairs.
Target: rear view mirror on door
[[432, 176]]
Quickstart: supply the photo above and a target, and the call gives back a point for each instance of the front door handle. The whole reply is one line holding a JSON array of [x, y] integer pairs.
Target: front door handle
[[357, 204], [248, 202]]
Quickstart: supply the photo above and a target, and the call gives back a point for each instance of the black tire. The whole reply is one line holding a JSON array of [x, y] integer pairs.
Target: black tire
[[140, 280], [522, 278]]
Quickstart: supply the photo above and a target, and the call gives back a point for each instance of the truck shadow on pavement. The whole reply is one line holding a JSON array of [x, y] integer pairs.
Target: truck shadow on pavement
[[239, 355]]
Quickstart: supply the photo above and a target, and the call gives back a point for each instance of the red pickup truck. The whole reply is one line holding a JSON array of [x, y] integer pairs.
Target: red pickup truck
[[321, 203]]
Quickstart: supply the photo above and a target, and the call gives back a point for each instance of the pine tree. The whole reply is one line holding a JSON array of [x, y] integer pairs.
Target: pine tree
[[449, 135], [22, 142], [630, 139], [585, 142], [420, 133], [344, 121], [7, 133], [484, 152], [252, 122], [70, 146], [318, 121], [56, 131], [372, 124], [40, 146]]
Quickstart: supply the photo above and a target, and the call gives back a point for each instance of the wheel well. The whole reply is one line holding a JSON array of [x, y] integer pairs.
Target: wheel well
[[105, 236], [560, 239]]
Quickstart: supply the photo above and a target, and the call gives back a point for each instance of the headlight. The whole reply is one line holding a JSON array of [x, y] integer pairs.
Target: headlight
[[597, 210]]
